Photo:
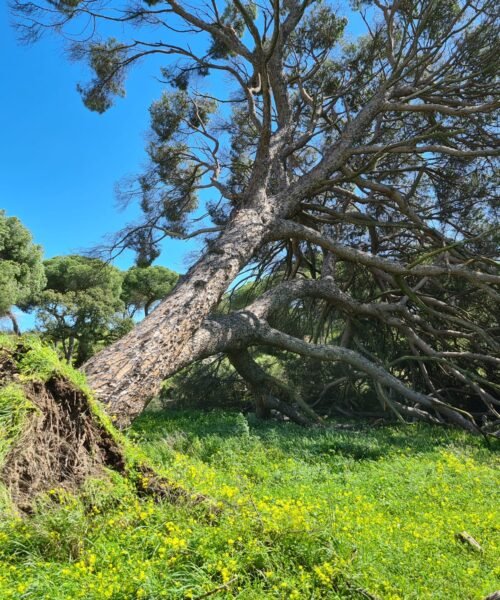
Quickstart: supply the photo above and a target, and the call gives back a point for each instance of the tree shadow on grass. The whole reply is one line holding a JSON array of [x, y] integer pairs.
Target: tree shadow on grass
[[359, 440]]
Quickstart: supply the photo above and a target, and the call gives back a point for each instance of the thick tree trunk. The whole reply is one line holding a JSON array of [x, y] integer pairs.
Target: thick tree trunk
[[127, 374], [15, 325]]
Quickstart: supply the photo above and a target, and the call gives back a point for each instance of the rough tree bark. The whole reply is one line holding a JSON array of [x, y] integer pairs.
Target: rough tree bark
[[128, 373], [15, 325]]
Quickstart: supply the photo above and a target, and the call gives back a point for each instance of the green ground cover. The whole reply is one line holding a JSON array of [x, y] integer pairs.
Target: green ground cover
[[371, 512]]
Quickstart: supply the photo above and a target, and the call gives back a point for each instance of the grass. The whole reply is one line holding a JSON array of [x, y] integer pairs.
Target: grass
[[304, 514], [14, 410]]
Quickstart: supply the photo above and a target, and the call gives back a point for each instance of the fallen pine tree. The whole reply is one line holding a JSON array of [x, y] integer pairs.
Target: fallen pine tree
[[364, 173]]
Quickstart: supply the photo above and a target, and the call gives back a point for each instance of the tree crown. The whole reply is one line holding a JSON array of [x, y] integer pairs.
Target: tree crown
[[21, 269]]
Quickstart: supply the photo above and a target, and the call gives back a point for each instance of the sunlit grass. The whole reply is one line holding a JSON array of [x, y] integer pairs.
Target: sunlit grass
[[304, 514]]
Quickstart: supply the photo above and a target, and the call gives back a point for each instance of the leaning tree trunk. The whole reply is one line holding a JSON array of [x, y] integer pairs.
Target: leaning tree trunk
[[127, 374], [15, 325]]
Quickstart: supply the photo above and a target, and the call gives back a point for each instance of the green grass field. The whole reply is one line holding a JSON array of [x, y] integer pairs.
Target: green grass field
[[365, 513]]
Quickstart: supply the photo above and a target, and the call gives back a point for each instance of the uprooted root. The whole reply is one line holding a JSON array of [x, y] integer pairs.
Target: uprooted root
[[64, 441]]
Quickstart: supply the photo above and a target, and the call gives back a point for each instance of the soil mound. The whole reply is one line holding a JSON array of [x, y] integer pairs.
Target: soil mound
[[53, 435], [61, 441]]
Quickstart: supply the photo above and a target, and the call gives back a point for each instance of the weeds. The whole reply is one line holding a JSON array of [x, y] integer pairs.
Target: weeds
[[304, 514]]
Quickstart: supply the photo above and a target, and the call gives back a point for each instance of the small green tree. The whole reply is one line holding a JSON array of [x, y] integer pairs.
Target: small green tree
[[81, 306], [144, 286], [21, 269]]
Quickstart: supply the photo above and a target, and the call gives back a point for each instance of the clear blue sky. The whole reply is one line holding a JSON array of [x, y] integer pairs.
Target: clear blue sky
[[59, 162]]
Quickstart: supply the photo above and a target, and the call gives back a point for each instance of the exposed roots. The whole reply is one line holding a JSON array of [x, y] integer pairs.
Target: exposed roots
[[63, 440], [62, 443]]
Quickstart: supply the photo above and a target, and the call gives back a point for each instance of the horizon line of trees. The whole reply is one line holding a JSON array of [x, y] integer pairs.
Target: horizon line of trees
[[81, 303]]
